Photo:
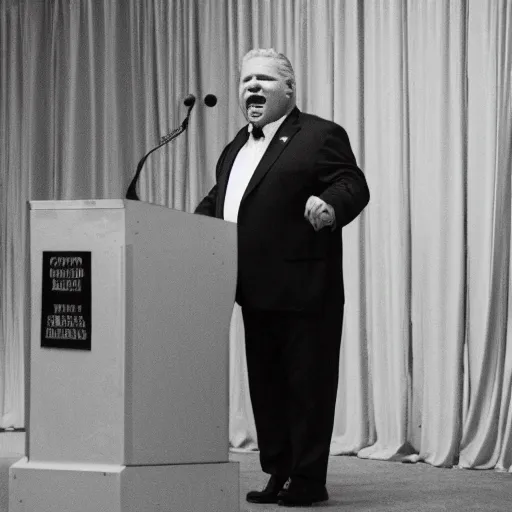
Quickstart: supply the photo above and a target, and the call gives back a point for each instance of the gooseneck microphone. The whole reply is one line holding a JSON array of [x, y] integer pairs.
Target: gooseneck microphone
[[189, 102]]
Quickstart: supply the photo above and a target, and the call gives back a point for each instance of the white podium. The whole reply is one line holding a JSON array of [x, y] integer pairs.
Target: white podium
[[128, 381]]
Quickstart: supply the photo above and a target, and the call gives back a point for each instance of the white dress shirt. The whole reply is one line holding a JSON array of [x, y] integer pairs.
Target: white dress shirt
[[244, 166]]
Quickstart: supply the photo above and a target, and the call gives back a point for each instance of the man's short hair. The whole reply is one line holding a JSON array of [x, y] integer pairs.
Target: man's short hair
[[284, 64]]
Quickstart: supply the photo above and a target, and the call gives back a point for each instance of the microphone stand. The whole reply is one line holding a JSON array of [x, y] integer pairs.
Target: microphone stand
[[131, 193]]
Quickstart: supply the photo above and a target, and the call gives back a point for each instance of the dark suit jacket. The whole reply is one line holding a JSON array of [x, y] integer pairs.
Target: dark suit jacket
[[283, 263]]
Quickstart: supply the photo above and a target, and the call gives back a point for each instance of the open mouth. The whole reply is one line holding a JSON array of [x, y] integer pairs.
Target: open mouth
[[254, 105], [255, 100]]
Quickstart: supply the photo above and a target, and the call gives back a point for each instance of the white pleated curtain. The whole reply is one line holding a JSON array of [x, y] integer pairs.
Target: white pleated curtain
[[423, 88]]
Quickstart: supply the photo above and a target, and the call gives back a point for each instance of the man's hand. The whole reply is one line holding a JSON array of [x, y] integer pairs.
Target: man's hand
[[319, 213]]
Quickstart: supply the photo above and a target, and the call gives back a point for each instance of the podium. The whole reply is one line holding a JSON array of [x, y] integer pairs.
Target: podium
[[128, 370]]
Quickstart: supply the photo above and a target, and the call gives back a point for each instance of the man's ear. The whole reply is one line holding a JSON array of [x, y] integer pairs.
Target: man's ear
[[290, 90]]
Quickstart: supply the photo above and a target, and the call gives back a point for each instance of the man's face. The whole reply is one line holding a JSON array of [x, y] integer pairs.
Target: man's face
[[264, 94]]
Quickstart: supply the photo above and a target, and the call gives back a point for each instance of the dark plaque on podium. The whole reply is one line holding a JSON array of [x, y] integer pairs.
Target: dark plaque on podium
[[66, 300]]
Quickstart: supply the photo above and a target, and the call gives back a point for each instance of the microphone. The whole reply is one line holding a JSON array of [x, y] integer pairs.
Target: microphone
[[189, 102], [210, 100]]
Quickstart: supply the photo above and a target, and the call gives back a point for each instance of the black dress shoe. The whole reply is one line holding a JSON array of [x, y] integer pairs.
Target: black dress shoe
[[269, 494], [302, 494]]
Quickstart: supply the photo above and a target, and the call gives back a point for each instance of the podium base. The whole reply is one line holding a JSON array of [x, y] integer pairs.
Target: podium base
[[55, 487]]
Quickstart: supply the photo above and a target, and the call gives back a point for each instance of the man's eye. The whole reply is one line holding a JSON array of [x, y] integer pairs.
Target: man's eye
[[261, 78]]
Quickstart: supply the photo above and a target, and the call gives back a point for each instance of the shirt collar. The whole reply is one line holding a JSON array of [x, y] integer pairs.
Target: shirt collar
[[270, 129]]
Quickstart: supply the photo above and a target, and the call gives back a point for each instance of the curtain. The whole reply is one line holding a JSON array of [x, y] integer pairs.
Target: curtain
[[423, 89]]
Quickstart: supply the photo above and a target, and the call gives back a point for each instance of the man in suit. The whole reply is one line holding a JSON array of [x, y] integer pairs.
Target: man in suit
[[290, 181]]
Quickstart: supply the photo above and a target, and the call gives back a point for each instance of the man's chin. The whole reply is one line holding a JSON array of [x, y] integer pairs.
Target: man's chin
[[256, 120]]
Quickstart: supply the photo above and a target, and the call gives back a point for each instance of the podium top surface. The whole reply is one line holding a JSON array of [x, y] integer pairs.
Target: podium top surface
[[79, 204]]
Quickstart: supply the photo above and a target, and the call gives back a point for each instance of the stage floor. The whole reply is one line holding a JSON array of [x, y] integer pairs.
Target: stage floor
[[365, 485], [357, 485]]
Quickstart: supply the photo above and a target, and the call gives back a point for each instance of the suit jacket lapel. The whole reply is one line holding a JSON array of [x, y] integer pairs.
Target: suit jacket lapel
[[281, 139], [227, 165]]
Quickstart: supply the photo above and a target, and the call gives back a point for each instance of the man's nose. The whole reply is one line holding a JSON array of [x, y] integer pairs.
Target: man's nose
[[253, 85]]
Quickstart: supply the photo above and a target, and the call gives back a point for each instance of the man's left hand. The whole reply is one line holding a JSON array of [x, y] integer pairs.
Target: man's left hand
[[319, 213]]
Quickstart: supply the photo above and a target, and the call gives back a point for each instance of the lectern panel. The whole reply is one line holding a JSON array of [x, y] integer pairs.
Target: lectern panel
[[76, 397], [181, 277]]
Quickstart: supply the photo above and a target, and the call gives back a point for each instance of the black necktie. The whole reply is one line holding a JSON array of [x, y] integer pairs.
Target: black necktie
[[257, 132]]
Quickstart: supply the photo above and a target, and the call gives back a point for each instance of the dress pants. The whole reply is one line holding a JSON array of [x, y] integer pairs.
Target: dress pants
[[293, 364]]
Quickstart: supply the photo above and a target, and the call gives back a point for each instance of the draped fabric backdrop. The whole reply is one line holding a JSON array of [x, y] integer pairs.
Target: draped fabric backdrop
[[423, 88]]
